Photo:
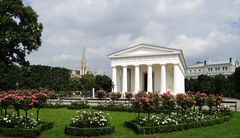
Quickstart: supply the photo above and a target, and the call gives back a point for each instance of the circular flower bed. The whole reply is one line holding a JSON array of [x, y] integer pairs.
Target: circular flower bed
[[89, 123]]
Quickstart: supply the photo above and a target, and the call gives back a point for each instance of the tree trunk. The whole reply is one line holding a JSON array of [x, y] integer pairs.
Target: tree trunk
[[38, 113], [5, 112], [26, 118]]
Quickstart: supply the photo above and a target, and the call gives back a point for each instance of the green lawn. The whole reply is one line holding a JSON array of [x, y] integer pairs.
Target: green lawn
[[61, 117]]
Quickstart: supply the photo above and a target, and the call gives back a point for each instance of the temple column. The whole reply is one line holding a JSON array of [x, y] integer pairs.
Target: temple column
[[149, 81], [163, 79], [136, 88], [124, 87], [114, 79], [175, 78]]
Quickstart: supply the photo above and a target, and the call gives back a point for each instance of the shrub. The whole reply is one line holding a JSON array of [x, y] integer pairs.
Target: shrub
[[89, 123], [25, 132], [90, 119], [168, 102], [100, 94], [200, 99], [128, 95], [115, 95], [14, 121], [78, 105], [170, 127]]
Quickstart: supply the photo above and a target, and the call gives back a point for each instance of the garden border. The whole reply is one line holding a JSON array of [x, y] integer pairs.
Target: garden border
[[138, 129], [75, 107], [26, 132], [88, 132]]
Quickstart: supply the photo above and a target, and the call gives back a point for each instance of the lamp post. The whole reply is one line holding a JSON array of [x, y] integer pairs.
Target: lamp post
[[17, 84], [112, 87]]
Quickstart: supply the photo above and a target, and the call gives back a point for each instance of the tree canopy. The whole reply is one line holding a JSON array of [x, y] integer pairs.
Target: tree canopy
[[20, 32]]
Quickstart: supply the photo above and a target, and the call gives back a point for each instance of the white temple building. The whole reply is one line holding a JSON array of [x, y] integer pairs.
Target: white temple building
[[150, 68]]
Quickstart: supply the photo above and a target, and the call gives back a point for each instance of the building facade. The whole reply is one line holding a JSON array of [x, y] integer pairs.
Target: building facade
[[212, 68], [148, 68]]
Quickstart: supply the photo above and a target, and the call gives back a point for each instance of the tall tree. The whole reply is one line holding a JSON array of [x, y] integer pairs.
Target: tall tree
[[236, 82], [88, 82], [20, 32], [103, 82]]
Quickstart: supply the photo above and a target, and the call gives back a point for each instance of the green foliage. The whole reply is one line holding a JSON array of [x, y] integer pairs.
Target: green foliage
[[25, 132], [88, 82], [103, 82], [34, 77], [228, 86], [75, 84], [236, 82], [90, 119], [78, 105], [88, 132], [20, 32], [173, 127]]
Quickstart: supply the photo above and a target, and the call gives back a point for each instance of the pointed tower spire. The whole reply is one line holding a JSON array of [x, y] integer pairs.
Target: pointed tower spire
[[83, 66]]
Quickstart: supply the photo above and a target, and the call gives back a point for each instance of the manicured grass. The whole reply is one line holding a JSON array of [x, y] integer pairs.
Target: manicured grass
[[62, 116]]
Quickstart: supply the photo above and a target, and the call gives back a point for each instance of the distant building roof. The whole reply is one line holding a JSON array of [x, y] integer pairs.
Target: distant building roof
[[201, 64]]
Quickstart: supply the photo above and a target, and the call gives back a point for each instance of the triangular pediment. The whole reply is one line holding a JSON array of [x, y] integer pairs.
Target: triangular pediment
[[144, 50]]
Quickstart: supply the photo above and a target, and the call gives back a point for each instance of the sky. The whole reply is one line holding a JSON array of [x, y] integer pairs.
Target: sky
[[203, 29]]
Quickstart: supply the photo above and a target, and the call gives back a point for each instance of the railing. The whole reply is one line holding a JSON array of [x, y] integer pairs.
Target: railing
[[231, 104]]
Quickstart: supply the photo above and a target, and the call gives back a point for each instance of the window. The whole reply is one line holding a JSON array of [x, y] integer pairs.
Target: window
[[218, 68], [211, 69], [190, 70], [226, 68], [223, 68], [199, 70]]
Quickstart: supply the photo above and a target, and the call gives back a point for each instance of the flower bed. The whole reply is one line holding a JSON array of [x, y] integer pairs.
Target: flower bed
[[180, 113], [138, 129], [16, 125], [90, 123], [26, 132]]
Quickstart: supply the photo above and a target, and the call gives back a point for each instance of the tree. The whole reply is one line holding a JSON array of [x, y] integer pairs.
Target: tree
[[75, 84], [220, 83], [20, 32], [88, 82], [204, 83], [236, 82], [103, 82]]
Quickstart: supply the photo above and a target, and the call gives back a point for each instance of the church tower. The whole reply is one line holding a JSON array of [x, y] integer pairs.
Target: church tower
[[83, 66]]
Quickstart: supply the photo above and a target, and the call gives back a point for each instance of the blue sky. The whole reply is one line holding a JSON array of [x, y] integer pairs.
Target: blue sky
[[203, 29]]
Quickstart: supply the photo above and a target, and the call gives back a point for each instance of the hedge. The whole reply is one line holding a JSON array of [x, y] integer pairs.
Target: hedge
[[55, 106], [119, 109], [138, 129], [78, 107], [88, 132], [26, 132]]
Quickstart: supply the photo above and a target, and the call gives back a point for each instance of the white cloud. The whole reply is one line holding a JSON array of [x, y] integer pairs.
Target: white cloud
[[202, 28]]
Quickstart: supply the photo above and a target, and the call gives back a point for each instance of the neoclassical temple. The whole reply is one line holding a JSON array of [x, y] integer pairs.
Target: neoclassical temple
[[150, 68]]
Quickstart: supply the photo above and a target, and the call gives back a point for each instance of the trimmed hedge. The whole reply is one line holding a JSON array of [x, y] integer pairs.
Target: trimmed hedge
[[26, 132], [121, 109], [78, 107], [88, 132], [138, 129], [55, 106]]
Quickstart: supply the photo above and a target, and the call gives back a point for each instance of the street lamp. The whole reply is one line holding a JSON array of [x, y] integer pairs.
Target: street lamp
[[17, 84]]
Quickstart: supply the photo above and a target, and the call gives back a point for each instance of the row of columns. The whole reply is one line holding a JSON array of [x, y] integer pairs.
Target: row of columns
[[149, 77]]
